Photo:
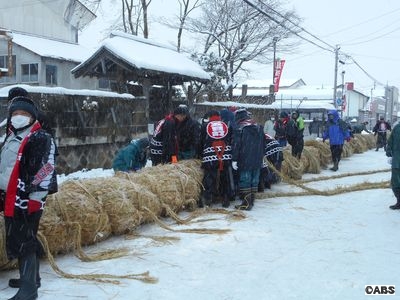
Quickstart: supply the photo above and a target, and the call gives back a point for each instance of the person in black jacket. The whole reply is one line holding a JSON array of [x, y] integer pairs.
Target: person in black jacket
[[164, 143], [27, 176], [216, 160], [280, 128], [176, 137], [247, 156], [187, 133]]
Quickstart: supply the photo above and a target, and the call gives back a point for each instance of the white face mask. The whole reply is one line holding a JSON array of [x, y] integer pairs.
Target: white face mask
[[19, 121]]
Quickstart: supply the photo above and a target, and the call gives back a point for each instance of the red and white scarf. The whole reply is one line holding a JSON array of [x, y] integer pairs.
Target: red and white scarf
[[12, 186]]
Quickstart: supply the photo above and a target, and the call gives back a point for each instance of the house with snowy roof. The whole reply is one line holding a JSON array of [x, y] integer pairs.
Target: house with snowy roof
[[296, 95], [39, 42]]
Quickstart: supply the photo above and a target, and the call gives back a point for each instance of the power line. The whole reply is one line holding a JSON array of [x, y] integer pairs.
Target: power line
[[373, 39], [297, 25], [365, 72], [364, 22], [263, 12], [336, 49]]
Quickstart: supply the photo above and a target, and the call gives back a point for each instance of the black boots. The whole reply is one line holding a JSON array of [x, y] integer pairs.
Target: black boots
[[15, 283], [335, 166], [27, 281], [226, 201], [397, 205], [204, 201]]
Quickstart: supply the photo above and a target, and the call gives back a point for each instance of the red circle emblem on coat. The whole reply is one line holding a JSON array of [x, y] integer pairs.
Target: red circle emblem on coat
[[217, 129]]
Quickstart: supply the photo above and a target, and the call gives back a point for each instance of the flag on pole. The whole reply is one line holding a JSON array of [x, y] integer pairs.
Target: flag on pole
[[279, 63]]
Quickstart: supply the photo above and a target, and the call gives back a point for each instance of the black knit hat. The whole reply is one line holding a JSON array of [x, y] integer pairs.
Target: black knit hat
[[283, 114], [181, 110], [25, 104], [242, 114], [16, 92]]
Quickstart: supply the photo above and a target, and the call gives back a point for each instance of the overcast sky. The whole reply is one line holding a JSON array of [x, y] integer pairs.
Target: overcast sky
[[367, 30]]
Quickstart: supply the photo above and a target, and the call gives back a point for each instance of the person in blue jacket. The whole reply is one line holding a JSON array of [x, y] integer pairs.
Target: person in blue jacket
[[132, 157], [337, 131]]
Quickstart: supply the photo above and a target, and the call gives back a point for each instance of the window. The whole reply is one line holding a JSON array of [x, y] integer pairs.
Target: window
[[4, 64], [29, 72], [51, 75], [104, 83]]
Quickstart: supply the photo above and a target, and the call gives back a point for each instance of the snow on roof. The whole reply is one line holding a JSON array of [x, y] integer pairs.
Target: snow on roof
[[265, 83], [51, 48], [308, 92], [63, 91], [151, 55], [277, 105]]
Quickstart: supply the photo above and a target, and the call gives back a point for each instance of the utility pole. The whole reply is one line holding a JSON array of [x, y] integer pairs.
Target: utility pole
[[335, 75], [343, 72], [274, 40], [272, 87]]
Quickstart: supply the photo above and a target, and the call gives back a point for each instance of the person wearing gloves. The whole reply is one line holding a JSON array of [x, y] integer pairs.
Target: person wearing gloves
[[216, 160], [175, 137], [337, 131], [393, 151], [27, 176], [248, 146], [132, 157], [164, 142], [187, 133]]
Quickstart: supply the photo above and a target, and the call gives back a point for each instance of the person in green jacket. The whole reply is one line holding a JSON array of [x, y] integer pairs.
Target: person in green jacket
[[132, 157], [393, 151], [295, 134]]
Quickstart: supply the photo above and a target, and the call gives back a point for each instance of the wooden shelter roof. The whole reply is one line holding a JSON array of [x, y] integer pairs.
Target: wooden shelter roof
[[126, 57]]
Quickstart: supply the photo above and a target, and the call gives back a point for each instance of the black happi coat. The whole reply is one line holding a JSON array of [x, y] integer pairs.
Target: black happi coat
[[273, 150], [215, 150], [163, 144]]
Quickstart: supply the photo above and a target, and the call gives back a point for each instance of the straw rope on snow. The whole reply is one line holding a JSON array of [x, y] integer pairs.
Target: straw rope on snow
[[88, 211]]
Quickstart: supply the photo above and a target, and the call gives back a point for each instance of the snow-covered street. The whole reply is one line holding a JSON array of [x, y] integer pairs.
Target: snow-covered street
[[308, 247]]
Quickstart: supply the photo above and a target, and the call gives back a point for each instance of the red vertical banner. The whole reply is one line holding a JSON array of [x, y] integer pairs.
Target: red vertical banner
[[344, 103], [278, 72]]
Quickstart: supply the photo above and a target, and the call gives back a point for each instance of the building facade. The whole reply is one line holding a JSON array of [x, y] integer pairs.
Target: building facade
[[39, 43]]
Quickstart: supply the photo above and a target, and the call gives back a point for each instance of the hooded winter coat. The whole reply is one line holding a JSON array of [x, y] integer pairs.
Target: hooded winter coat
[[393, 151], [248, 145], [336, 130], [131, 157], [393, 147], [188, 137]]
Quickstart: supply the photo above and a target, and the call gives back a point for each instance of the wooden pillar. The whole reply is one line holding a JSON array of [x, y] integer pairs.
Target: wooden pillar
[[146, 92]]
